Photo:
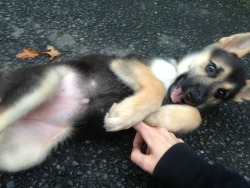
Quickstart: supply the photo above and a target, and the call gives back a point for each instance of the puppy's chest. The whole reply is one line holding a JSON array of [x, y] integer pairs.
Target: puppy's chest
[[164, 70]]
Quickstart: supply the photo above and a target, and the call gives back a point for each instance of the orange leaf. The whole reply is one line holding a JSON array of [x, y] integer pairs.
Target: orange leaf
[[53, 53], [27, 53]]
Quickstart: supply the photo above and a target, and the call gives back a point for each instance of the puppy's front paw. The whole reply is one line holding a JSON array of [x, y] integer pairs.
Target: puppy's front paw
[[171, 117], [120, 117]]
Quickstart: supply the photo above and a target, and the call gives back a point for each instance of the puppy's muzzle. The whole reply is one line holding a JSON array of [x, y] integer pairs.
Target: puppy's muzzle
[[193, 97], [194, 93]]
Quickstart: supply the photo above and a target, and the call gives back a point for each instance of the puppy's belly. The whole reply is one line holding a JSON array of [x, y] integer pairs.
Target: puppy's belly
[[29, 140], [69, 101]]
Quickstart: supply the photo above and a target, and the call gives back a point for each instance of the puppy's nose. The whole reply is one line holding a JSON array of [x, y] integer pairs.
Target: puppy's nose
[[193, 96]]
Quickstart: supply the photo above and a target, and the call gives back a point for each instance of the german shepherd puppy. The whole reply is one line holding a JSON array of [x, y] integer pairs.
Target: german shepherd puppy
[[44, 105]]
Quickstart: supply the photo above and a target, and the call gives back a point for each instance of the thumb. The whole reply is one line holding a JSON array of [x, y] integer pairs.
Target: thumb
[[137, 156], [142, 160]]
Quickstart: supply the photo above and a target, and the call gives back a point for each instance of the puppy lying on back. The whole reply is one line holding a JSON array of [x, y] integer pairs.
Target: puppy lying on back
[[44, 105]]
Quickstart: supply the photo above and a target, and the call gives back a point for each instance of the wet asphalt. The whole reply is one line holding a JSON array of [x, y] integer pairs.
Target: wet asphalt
[[158, 28]]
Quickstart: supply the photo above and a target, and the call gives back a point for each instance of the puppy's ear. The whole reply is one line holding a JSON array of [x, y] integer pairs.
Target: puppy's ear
[[244, 93], [238, 44]]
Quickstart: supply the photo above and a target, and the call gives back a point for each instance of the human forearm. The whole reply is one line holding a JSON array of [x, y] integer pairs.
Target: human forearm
[[180, 166]]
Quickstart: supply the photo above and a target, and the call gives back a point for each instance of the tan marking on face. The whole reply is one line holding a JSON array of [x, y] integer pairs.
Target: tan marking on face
[[199, 64], [224, 85], [226, 70]]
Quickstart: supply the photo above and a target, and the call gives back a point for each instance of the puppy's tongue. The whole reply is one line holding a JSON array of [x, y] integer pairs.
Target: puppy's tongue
[[176, 95]]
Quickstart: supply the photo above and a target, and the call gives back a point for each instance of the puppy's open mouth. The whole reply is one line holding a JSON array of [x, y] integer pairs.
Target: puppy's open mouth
[[176, 94]]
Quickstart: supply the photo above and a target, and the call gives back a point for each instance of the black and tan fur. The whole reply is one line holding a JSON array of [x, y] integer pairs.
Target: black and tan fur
[[44, 105]]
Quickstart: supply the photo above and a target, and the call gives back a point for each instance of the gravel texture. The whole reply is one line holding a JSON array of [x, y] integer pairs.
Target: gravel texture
[[153, 28]]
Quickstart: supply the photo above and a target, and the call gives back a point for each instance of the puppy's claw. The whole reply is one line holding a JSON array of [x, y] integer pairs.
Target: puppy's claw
[[112, 109], [118, 123], [122, 116], [113, 128]]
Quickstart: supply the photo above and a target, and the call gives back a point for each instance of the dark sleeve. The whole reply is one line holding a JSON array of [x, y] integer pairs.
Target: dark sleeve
[[180, 167]]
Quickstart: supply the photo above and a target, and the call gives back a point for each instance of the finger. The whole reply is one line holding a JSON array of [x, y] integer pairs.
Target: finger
[[137, 156], [145, 132], [138, 141], [138, 126], [142, 160], [180, 140], [148, 151]]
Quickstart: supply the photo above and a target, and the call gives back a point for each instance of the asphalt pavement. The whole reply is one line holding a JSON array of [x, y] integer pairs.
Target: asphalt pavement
[[155, 28]]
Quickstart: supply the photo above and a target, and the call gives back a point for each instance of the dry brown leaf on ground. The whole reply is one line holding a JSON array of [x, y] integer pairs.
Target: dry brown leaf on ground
[[27, 53], [30, 53], [53, 53]]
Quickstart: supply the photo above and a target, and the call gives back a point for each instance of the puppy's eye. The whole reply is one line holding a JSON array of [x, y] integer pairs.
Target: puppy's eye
[[220, 93], [211, 69]]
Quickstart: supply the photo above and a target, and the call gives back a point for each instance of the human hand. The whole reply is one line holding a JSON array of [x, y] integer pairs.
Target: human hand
[[158, 141]]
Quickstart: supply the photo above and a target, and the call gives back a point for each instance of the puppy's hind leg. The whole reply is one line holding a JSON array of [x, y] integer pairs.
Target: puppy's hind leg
[[147, 98], [28, 143]]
